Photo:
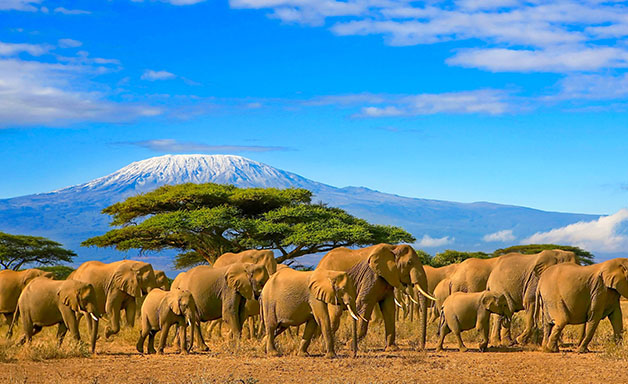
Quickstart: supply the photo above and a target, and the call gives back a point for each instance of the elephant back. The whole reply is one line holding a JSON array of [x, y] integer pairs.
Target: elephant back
[[11, 285], [254, 256]]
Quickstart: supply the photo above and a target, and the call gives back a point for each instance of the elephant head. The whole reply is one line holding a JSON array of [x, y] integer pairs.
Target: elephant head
[[181, 303], [32, 273], [547, 258], [496, 303], [125, 281], [614, 273], [258, 275], [145, 276], [336, 288], [382, 261], [412, 274], [267, 259], [239, 278], [81, 297], [162, 280]]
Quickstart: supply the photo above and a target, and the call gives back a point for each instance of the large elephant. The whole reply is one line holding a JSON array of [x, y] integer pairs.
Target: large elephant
[[254, 256], [11, 285], [472, 274], [45, 302], [436, 275], [291, 298], [516, 276], [573, 294], [221, 293], [375, 273], [160, 310], [118, 285]]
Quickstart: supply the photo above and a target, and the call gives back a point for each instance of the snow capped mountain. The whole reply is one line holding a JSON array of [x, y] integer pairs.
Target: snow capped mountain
[[71, 215]]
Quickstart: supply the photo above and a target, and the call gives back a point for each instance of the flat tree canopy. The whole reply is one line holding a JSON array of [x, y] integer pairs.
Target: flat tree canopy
[[204, 221], [19, 250], [450, 256], [582, 257]]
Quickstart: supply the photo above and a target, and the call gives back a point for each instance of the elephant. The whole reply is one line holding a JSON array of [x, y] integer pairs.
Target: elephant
[[254, 256], [472, 274], [160, 310], [221, 293], [516, 276], [45, 302], [11, 285], [375, 273], [573, 294], [463, 311], [117, 287], [161, 280], [291, 298], [436, 275]]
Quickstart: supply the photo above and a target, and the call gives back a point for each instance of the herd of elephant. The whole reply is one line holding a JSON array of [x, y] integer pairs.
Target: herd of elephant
[[550, 287]]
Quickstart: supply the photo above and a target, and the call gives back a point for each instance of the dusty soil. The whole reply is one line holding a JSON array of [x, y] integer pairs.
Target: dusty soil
[[404, 366]]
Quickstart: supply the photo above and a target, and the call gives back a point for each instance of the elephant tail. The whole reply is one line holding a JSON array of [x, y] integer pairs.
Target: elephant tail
[[538, 308], [16, 315], [441, 323]]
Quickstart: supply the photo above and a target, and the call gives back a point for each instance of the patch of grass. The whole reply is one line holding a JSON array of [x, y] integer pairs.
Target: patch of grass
[[40, 350]]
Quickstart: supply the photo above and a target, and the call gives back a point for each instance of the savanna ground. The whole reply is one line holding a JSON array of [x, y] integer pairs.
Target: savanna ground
[[117, 361]]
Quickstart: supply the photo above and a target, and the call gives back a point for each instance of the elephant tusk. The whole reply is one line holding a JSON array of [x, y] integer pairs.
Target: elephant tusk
[[397, 303], [189, 323], [425, 293], [352, 314], [363, 318], [93, 317], [412, 299]]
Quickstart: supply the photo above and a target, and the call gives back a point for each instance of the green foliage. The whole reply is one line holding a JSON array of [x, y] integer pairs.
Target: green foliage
[[450, 256], [426, 258], [583, 257], [60, 272], [19, 250], [204, 221]]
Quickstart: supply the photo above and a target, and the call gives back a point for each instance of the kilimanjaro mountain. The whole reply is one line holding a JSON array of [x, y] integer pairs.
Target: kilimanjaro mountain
[[71, 215]]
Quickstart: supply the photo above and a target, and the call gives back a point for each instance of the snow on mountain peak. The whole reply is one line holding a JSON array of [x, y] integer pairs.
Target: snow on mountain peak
[[146, 175]]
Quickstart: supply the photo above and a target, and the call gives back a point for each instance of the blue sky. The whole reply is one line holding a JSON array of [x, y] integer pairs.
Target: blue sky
[[498, 100]]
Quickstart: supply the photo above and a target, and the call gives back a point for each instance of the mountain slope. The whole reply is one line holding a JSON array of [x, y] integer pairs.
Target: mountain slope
[[72, 214]]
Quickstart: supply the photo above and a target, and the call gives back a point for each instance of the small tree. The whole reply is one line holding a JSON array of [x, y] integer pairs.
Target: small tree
[[60, 272], [450, 256], [204, 221], [583, 257], [19, 250]]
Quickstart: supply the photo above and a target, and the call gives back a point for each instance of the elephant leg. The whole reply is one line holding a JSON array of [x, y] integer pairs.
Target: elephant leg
[[321, 316], [140, 342], [308, 332], [616, 321], [251, 321], [590, 331], [528, 318], [130, 313], [457, 332], [552, 341], [335, 312], [61, 331], [114, 324], [201, 342], [151, 342], [271, 333], [505, 334], [444, 331], [422, 311], [165, 328], [484, 331], [387, 307], [183, 340], [496, 325]]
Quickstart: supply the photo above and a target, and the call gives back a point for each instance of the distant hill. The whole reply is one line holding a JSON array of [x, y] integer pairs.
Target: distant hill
[[72, 214]]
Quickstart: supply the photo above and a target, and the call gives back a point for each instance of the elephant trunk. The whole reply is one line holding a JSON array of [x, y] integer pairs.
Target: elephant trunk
[[94, 335], [191, 319]]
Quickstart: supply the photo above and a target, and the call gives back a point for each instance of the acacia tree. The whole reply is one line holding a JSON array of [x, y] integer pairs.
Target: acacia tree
[[583, 257], [19, 250], [203, 221], [450, 256]]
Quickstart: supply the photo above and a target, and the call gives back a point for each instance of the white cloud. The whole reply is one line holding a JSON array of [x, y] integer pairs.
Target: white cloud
[[66, 11], [69, 43], [430, 242], [19, 5], [11, 49], [607, 234], [503, 236], [151, 75]]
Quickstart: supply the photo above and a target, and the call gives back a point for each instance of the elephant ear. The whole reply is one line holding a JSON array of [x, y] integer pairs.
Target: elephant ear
[[487, 300], [125, 280], [30, 275], [323, 285], [238, 279], [382, 262], [174, 302], [69, 296], [615, 275], [270, 263]]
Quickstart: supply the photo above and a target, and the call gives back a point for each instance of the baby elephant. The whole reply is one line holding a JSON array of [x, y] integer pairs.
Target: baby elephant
[[160, 311], [462, 311], [45, 302]]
